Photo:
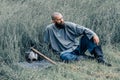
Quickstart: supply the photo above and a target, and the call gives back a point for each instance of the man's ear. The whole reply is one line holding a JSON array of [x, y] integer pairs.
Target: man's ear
[[52, 21]]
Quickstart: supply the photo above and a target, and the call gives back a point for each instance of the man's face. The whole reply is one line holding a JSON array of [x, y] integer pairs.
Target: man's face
[[59, 21]]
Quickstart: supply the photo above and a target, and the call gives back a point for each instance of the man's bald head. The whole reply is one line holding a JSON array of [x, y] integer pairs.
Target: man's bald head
[[55, 14]]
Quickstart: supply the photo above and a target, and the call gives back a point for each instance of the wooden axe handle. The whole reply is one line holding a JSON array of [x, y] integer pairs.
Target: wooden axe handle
[[36, 51]]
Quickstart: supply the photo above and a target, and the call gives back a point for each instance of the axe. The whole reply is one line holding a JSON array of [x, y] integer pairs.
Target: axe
[[39, 53]]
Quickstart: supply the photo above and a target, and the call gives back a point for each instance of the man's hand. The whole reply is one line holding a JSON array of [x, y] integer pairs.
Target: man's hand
[[96, 39]]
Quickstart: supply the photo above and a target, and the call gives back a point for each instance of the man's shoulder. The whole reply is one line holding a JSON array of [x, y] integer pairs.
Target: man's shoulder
[[70, 23], [50, 26]]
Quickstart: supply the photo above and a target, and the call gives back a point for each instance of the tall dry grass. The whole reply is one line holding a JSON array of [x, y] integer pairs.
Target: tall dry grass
[[22, 23]]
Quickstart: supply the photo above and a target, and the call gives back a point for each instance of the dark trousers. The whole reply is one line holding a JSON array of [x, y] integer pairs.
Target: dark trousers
[[85, 44]]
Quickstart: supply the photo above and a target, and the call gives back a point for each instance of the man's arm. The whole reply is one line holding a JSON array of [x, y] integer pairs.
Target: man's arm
[[46, 35], [88, 32]]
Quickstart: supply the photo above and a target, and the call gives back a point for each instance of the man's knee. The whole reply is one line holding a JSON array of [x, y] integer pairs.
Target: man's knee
[[68, 56]]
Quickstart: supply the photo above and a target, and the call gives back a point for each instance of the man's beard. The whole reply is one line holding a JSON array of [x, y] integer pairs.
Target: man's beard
[[60, 25]]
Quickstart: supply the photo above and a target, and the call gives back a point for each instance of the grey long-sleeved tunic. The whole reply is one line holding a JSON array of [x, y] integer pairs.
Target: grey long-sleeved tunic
[[65, 39]]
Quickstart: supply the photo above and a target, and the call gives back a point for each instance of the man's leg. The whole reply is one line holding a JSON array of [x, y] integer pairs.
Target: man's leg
[[68, 56], [73, 56], [86, 44], [98, 53], [93, 48]]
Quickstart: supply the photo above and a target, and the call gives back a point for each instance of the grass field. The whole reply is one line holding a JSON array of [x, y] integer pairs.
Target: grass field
[[22, 23]]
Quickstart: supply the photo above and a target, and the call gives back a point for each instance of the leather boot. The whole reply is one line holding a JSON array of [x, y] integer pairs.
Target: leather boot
[[98, 54]]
